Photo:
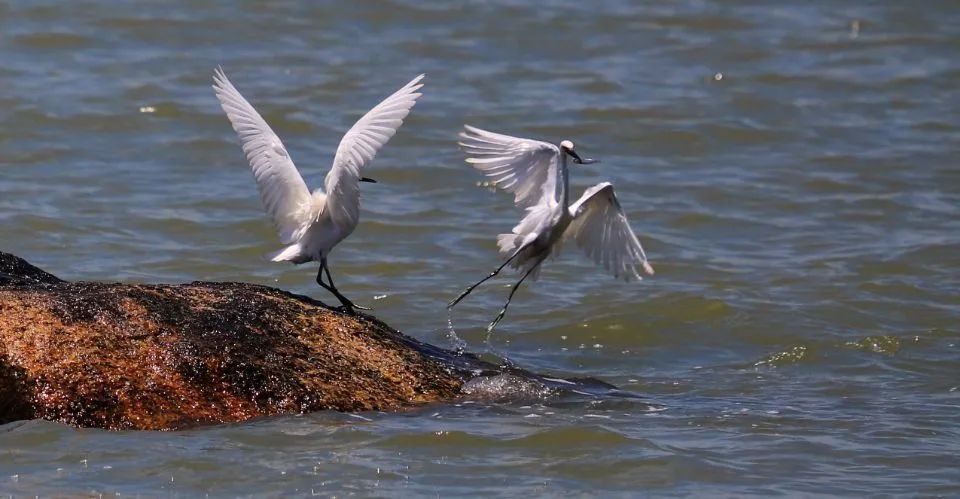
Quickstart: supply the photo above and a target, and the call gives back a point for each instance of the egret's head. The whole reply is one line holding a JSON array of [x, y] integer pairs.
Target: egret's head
[[567, 148]]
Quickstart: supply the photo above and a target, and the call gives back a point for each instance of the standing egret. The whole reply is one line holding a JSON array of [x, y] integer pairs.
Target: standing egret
[[311, 224], [530, 169]]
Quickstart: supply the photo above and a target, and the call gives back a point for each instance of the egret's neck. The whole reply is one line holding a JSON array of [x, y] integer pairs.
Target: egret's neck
[[564, 181]]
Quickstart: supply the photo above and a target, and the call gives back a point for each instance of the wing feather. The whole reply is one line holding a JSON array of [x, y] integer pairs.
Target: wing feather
[[358, 148], [527, 168], [283, 192], [601, 229]]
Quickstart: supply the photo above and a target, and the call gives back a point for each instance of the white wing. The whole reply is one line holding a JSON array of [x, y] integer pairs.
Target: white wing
[[601, 229], [358, 148], [282, 190], [527, 168]]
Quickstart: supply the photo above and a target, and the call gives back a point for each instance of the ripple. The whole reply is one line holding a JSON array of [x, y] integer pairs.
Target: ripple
[[800, 211], [887, 345], [576, 439], [53, 41], [792, 355]]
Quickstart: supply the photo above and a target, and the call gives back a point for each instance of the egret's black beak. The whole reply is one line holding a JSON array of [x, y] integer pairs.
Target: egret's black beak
[[576, 157], [368, 179]]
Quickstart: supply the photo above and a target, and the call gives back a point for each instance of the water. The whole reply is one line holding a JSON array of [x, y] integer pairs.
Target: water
[[791, 171]]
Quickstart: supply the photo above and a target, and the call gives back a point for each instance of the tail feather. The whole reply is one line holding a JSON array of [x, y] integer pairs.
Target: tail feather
[[289, 254], [507, 243]]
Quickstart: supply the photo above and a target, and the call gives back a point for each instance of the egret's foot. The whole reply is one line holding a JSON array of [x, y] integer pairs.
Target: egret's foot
[[351, 308], [456, 300], [493, 324]]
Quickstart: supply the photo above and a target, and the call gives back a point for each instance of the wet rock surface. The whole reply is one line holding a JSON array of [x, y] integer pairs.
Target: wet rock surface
[[161, 357]]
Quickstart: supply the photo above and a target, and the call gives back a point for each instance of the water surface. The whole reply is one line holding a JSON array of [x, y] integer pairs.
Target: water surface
[[791, 170]]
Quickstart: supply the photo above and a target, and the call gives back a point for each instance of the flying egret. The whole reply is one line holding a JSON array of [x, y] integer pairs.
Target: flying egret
[[311, 224], [530, 170]]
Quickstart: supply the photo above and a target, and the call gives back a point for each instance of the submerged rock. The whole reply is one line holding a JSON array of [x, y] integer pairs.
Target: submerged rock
[[161, 357]]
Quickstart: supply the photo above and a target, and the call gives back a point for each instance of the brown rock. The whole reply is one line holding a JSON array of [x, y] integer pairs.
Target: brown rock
[[161, 357]]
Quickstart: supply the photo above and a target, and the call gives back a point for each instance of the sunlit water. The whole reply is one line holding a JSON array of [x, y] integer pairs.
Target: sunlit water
[[791, 171]]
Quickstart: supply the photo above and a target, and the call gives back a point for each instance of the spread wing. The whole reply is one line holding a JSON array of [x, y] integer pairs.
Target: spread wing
[[602, 231], [282, 190], [358, 148], [527, 168]]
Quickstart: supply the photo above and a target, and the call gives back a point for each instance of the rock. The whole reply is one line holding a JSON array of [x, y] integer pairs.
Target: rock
[[163, 357]]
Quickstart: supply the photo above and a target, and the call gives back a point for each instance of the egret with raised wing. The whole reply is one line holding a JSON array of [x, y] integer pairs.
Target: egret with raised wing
[[536, 173], [311, 224]]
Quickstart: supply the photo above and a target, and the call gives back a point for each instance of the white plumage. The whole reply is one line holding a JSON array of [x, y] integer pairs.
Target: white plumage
[[527, 168], [311, 224], [536, 173], [601, 229]]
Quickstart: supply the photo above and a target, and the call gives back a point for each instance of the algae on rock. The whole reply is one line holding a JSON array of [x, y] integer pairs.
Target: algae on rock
[[160, 357]]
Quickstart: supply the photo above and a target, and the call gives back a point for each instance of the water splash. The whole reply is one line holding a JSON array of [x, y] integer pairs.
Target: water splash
[[457, 344], [505, 387]]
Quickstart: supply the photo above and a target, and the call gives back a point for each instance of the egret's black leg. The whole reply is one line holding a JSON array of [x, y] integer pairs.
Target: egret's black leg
[[503, 311], [329, 277], [347, 304], [329, 287], [320, 277], [320, 281], [481, 281]]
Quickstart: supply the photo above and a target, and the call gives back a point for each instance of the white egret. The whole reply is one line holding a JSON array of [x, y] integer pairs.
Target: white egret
[[311, 224], [536, 173]]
